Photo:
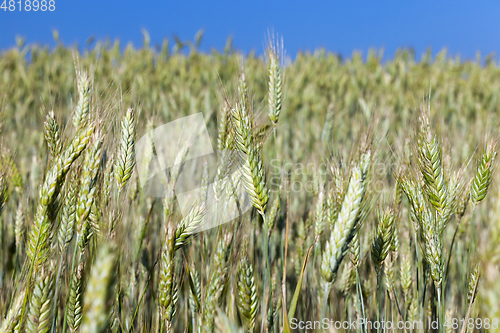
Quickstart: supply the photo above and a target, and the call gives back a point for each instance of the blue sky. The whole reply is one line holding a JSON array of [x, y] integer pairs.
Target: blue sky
[[464, 27]]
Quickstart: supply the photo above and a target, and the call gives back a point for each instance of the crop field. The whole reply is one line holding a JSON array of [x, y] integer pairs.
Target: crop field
[[162, 189]]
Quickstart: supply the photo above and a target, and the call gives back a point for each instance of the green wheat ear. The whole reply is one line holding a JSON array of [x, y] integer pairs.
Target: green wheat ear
[[83, 106], [40, 309], [253, 174], [473, 283], [11, 320], [52, 136], [383, 241], [39, 236], [125, 156], [246, 298], [484, 173], [275, 83], [100, 291]]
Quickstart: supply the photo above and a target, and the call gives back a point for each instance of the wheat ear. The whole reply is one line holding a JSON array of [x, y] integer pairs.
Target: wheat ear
[[87, 192], [40, 314], [275, 84], [326, 134], [253, 178], [40, 233], [19, 227], [51, 133], [100, 290], [125, 156], [11, 320], [68, 215], [246, 297], [382, 243], [345, 226], [218, 279], [193, 307], [83, 106], [484, 173], [273, 212], [166, 286], [473, 283], [189, 225], [74, 306]]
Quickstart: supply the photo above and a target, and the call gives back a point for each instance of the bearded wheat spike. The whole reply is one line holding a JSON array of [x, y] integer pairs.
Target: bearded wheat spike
[[189, 225], [40, 233], [321, 211], [326, 134], [273, 212], [243, 90], [15, 177], [195, 276], [344, 227], [406, 275], [19, 226], [348, 279], [108, 180], [389, 275], [83, 106], [430, 162], [218, 279], [100, 291], [473, 283], [51, 133], [335, 196], [223, 133], [463, 202], [204, 182], [39, 317], [12, 318], [275, 85], [383, 240], [68, 216], [253, 175], [87, 192], [125, 156], [74, 313], [355, 249], [484, 173], [246, 297], [166, 286], [433, 249], [419, 208]]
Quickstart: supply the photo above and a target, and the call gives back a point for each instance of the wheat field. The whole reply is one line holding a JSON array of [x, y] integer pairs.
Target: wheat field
[[369, 200]]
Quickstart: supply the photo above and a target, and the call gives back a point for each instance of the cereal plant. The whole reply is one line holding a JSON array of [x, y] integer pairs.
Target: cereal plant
[[336, 191]]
